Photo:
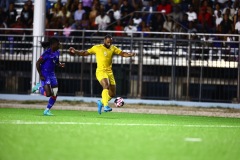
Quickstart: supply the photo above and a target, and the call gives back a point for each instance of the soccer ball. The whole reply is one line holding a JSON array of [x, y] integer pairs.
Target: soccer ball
[[119, 102]]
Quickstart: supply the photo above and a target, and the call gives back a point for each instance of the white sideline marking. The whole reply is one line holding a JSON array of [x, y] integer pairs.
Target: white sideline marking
[[20, 122], [193, 139]]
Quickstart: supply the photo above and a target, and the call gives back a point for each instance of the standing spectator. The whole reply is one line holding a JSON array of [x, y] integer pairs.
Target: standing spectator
[[102, 20], [164, 7], [78, 13], [27, 15], [11, 14]]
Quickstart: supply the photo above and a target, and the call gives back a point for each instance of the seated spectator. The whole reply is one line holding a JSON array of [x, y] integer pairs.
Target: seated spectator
[[67, 32], [229, 9], [87, 5], [237, 27], [156, 23], [226, 26], [85, 23], [205, 21], [112, 21], [118, 27], [164, 7], [192, 15], [168, 25], [144, 27], [11, 14], [126, 8], [130, 29], [102, 21], [79, 12], [137, 19], [236, 17], [64, 13], [218, 20], [176, 13], [92, 16], [27, 15], [116, 11], [217, 9], [150, 8], [184, 23]]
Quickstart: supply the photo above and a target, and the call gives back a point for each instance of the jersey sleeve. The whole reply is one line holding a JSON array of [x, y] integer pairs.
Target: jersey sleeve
[[44, 55], [117, 50], [92, 50]]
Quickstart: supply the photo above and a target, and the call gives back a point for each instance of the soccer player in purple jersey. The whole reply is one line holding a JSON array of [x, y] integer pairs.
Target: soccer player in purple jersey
[[46, 70]]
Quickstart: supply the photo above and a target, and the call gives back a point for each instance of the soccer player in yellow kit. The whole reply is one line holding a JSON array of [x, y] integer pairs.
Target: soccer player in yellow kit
[[104, 74]]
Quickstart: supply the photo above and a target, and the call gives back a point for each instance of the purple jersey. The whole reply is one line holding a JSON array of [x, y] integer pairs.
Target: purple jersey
[[50, 59]]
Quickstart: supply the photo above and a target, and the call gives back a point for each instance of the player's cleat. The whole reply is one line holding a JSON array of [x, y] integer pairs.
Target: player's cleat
[[35, 88], [107, 109], [47, 112], [99, 104]]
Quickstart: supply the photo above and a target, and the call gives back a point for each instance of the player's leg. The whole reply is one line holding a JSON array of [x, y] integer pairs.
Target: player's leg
[[36, 87], [51, 91], [105, 94]]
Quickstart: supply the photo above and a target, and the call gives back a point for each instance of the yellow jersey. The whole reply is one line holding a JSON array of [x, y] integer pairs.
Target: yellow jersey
[[104, 56]]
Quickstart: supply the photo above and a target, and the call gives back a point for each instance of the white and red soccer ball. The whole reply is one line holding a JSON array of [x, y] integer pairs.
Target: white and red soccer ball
[[119, 102]]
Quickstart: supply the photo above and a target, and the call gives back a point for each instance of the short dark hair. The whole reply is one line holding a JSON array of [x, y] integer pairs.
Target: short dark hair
[[51, 41], [108, 36]]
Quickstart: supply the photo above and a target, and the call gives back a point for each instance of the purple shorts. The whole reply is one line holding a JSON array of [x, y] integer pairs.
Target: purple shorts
[[50, 79]]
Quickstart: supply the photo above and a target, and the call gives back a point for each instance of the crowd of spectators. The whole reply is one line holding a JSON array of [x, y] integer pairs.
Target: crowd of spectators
[[202, 16]]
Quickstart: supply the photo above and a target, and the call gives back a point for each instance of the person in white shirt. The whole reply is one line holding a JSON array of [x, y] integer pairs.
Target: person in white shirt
[[218, 19], [129, 29], [192, 15], [102, 20], [78, 13]]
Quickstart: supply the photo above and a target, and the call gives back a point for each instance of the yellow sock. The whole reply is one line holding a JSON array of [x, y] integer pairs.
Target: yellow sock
[[105, 97]]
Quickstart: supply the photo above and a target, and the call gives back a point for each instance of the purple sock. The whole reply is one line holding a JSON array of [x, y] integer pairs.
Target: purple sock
[[51, 101]]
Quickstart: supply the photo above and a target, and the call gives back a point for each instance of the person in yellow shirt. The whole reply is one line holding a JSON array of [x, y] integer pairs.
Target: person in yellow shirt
[[104, 74]]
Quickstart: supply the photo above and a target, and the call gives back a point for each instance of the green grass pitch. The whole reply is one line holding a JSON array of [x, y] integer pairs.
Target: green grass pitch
[[25, 134]]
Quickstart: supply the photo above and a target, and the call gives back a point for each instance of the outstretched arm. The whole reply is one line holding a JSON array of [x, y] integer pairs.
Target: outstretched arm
[[74, 52], [126, 54]]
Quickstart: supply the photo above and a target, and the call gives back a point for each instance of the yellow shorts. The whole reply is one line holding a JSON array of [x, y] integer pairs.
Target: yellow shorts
[[102, 74]]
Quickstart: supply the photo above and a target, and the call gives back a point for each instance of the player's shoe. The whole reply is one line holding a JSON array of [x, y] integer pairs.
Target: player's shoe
[[107, 109], [99, 104], [35, 88], [47, 112]]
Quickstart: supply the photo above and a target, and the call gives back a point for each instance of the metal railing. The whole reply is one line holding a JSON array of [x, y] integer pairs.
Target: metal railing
[[171, 66]]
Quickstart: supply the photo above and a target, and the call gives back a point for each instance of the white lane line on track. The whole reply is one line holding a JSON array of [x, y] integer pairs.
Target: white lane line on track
[[20, 122], [188, 139]]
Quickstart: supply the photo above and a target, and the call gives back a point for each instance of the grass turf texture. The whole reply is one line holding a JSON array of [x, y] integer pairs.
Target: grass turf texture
[[26, 135]]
